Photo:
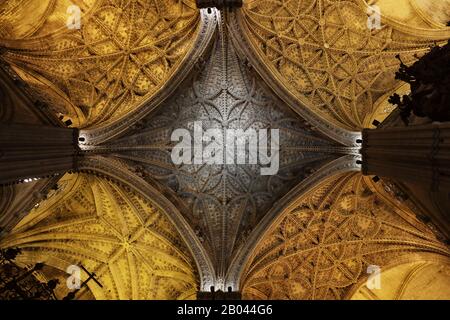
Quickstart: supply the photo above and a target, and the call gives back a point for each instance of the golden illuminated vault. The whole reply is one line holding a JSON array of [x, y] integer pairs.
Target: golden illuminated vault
[[324, 54], [136, 70], [324, 242], [122, 55], [128, 242]]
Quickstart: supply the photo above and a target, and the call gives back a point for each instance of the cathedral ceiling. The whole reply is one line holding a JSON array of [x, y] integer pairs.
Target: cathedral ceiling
[[128, 242], [324, 55], [122, 55], [322, 244], [319, 52], [17, 200], [309, 68], [223, 203]]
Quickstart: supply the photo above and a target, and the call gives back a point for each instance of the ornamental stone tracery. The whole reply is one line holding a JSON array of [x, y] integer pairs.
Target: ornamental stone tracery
[[425, 14], [128, 242], [323, 243], [123, 54], [223, 203], [323, 53], [311, 55]]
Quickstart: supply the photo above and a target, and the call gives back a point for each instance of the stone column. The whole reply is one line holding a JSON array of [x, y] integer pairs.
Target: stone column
[[33, 151], [219, 295], [415, 154]]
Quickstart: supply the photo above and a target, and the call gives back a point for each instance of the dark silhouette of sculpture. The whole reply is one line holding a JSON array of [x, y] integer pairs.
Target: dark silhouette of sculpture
[[429, 78], [17, 283]]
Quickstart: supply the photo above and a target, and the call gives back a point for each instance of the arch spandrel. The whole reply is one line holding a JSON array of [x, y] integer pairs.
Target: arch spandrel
[[323, 243], [128, 242], [382, 108], [22, 19], [424, 14], [426, 277], [123, 55], [324, 59]]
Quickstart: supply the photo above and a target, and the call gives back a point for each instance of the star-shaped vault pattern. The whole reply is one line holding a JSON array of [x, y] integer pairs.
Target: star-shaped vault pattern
[[325, 242], [326, 56], [223, 203], [124, 52], [133, 249]]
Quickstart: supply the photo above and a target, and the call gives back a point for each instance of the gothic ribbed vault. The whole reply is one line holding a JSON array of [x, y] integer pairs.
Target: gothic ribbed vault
[[128, 242], [322, 244], [122, 55], [419, 280], [223, 203], [137, 70], [324, 55]]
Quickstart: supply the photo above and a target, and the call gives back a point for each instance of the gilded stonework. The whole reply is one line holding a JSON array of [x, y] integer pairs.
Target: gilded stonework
[[323, 53], [118, 78], [134, 250], [324, 243], [122, 54], [225, 202]]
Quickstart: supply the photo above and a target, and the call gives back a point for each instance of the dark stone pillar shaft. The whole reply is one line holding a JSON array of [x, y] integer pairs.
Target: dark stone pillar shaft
[[416, 154], [219, 295], [219, 4], [28, 151]]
